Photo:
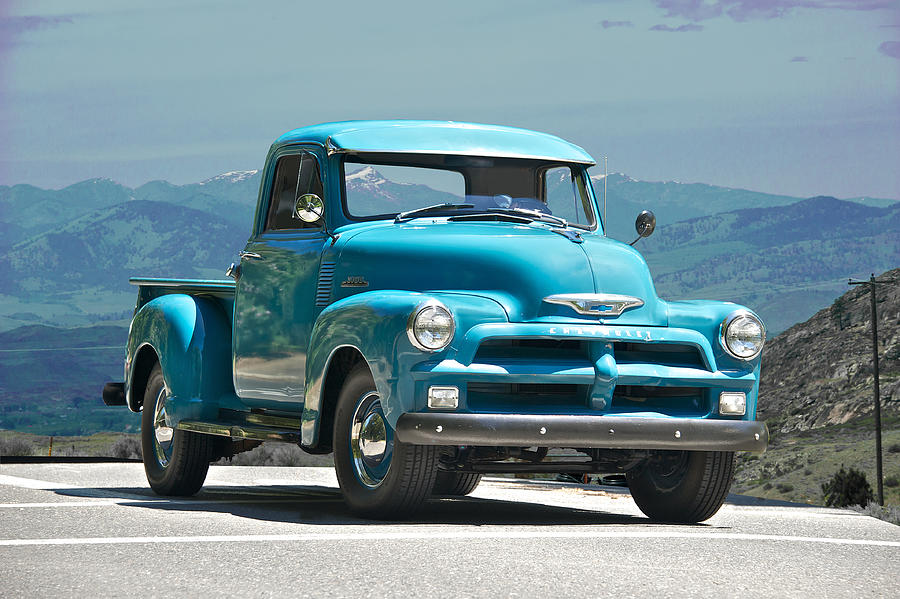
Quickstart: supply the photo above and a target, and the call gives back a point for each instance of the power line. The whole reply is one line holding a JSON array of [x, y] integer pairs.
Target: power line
[[873, 283]]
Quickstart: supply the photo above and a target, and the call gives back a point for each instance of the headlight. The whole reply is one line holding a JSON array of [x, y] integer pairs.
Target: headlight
[[743, 335], [431, 326]]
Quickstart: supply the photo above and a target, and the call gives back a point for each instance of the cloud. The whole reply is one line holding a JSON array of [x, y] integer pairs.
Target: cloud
[[16, 25], [891, 49], [608, 24], [679, 29], [743, 10], [800, 59]]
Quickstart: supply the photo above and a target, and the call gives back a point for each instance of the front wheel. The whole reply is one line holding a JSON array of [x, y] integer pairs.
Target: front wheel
[[379, 476], [682, 486], [455, 484], [176, 461]]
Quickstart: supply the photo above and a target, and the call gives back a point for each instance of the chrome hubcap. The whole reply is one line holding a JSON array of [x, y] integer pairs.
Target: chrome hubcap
[[371, 441], [163, 434]]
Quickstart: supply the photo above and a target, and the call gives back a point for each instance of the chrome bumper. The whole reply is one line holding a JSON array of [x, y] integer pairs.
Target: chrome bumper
[[610, 432]]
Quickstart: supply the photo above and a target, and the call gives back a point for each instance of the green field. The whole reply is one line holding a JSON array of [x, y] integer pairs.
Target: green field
[[795, 466], [120, 445]]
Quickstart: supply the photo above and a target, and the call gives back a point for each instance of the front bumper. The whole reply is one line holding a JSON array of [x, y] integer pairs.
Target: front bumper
[[610, 432]]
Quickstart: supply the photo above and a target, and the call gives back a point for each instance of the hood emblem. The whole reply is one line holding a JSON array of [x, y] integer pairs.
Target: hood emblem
[[596, 304], [355, 281]]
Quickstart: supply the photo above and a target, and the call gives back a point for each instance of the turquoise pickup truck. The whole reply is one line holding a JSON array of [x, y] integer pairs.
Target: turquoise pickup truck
[[434, 301]]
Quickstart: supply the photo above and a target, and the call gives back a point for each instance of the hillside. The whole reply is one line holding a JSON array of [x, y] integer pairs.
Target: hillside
[[785, 262], [819, 372], [105, 247], [26, 210], [52, 380], [70, 252], [816, 395]]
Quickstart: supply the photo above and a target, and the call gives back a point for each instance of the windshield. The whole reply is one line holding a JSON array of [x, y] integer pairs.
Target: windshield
[[382, 186]]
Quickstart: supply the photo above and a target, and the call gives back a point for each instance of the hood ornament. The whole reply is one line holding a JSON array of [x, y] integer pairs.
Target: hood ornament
[[596, 304]]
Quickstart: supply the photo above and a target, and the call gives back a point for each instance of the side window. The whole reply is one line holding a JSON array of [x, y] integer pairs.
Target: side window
[[295, 175], [566, 197]]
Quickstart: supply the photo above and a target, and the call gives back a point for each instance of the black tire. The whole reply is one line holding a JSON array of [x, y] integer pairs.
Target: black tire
[[392, 486], [176, 467], [682, 486], [455, 483]]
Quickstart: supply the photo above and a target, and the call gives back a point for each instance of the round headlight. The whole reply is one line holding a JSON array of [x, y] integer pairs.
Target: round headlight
[[431, 326], [743, 335]]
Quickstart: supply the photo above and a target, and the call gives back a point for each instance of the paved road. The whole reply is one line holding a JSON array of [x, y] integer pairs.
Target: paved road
[[96, 529]]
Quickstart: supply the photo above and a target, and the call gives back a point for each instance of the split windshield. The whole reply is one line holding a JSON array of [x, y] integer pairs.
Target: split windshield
[[383, 186]]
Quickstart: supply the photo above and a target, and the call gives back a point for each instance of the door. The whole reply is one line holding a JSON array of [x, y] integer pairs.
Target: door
[[275, 297]]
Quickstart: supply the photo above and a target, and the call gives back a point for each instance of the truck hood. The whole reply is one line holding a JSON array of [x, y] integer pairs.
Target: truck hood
[[518, 265]]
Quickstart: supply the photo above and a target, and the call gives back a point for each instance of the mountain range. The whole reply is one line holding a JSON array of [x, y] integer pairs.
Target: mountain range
[[68, 255]]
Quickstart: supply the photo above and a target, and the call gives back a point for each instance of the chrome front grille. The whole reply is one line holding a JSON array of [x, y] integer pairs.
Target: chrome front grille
[[664, 354]]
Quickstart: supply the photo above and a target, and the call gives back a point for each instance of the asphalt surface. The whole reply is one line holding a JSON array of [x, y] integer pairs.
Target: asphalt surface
[[97, 530]]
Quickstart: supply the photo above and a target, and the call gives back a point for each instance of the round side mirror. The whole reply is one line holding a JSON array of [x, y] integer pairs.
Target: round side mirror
[[309, 208], [645, 224]]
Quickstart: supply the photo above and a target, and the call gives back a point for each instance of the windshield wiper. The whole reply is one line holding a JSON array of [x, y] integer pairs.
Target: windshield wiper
[[427, 209], [533, 214]]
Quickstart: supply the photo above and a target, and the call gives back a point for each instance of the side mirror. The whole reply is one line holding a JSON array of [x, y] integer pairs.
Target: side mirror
[[645, 224], [309, 208]]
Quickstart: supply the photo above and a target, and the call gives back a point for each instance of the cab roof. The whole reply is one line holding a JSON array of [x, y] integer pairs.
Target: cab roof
[[436, 137]]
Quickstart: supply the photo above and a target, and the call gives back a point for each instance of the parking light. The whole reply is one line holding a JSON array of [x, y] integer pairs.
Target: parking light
[[732, 403], [443, 398]]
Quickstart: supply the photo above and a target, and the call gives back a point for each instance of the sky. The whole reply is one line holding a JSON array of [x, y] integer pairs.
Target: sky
[[797, 97]]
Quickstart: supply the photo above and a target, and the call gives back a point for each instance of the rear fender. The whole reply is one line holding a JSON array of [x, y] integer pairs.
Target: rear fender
[[192, 338]]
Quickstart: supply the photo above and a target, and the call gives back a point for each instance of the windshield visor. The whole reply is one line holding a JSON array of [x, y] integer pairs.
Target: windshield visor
[[379, 186]]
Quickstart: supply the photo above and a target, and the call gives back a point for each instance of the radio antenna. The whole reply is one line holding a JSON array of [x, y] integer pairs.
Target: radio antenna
[[605, 177]]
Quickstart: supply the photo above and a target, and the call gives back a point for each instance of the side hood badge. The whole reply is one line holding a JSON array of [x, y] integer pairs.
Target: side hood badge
[[596, 304]]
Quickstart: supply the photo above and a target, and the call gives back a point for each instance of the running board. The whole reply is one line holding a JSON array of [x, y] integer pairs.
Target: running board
[[241, 431]]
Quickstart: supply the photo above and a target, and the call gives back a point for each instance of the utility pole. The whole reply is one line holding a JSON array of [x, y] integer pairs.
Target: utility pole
[[873, 283]]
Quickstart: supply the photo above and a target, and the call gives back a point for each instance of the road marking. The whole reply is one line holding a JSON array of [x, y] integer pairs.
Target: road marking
[[74, 490], [445, 535], [31, 483], [149, 501], [33, 349]]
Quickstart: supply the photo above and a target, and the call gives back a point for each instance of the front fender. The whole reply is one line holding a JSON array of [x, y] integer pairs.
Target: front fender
[[192, 338], [706, 317], [374, 323]]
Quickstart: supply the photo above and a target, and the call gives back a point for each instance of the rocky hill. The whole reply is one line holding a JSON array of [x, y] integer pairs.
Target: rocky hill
[[819, 372]]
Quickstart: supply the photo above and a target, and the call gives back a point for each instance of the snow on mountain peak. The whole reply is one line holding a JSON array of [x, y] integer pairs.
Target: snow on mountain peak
[[614, 175], [366, 176], [231, 177]]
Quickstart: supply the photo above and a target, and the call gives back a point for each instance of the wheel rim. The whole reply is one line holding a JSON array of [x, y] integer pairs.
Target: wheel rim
[[163, 434], [371, 441]]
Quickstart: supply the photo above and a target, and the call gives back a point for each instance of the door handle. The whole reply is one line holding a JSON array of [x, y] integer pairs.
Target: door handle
[[249, 255]]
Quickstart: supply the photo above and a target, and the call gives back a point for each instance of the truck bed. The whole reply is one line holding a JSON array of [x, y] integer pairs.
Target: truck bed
[[150, 288]]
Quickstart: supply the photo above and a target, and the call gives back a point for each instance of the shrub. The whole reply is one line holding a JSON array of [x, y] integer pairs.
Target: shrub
[[891, 481], [894, 448], [767, 486], [887, 513], [807, 472], [847, 487], [785, 487], [15, 446], [125, 447], [277, 454]]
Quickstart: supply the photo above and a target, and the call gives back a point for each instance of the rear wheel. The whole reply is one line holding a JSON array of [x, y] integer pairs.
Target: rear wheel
[[380, 477], [176, 461], [682, 486], [455, 483]]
